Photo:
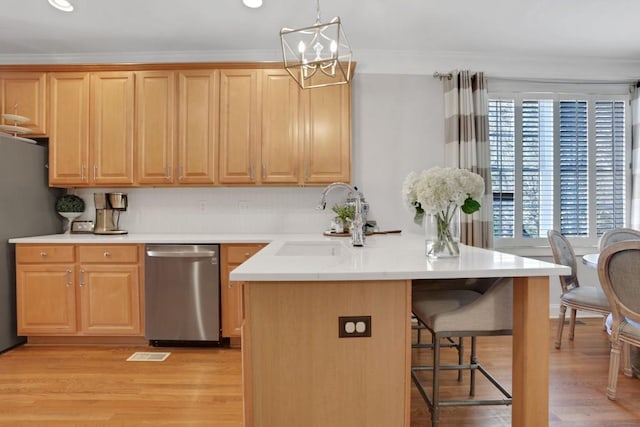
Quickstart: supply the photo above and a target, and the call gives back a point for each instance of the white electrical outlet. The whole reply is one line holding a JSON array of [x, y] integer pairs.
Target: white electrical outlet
[[243, 204], [202, 205]]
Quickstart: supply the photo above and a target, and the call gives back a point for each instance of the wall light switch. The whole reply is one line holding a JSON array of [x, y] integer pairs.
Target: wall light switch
[[354, 326]]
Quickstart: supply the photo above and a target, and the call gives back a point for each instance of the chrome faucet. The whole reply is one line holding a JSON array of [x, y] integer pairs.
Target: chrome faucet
[[357, 226]]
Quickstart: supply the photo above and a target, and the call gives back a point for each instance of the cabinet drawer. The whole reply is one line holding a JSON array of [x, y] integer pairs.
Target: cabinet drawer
[[108, 253], [239, 254], [44, 253]]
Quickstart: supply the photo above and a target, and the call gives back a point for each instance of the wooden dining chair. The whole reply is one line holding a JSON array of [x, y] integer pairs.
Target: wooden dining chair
[[619, 273], [618, 235], [574, 296]]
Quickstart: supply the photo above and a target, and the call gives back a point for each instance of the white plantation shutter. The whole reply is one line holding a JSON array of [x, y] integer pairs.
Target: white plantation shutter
[[574, 169], [503, 166], [610, 165], [558, 161], [537, 167]]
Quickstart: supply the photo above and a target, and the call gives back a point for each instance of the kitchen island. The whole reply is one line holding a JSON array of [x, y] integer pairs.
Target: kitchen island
[[327, 332]]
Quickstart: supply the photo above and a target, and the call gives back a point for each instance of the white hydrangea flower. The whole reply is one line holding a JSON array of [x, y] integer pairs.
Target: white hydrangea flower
[[440, 190]]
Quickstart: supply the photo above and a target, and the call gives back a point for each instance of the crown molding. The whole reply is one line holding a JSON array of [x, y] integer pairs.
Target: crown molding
[[494, 64]]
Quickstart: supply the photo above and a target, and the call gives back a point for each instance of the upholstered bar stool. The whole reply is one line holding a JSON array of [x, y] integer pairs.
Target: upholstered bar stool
[[422, 285], [480, 310]]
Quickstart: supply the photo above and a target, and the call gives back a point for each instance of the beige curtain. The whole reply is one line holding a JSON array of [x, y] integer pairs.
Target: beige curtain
[[467, 146]]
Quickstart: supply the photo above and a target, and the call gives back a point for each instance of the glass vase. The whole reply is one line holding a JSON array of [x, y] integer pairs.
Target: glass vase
[[442, 234]]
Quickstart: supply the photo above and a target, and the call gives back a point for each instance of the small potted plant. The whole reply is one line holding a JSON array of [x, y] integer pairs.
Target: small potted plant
[[69, 206], [345, 214]]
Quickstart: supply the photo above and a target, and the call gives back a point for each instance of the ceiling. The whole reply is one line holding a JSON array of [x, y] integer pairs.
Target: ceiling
[[33, 31]]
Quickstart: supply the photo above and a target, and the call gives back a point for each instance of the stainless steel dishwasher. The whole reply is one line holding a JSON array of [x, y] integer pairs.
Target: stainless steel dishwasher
[[182, 293]]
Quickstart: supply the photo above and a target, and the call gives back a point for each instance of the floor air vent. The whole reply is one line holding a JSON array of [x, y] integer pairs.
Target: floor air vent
[[143, 356]]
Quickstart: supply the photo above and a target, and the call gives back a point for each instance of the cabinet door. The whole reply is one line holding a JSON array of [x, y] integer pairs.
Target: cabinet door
[[46, 302], [327, 149], [280, 136], [109, 299], [155, 126], [232, 306], [197, 126], [24, 93], [239, 124], [68, 129], [112, 128]]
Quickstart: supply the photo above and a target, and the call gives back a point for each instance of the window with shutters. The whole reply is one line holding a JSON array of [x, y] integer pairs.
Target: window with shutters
[[558, 160]]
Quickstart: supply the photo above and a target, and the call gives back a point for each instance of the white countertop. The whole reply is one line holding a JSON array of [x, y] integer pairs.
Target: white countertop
[[199, 238], [384, 257]]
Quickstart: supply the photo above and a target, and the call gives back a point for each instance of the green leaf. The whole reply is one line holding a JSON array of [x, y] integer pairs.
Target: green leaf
[[419, 216], [470, 206]]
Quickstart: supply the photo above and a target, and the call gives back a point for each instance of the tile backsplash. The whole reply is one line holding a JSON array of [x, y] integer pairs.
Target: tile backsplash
[[221, 209]]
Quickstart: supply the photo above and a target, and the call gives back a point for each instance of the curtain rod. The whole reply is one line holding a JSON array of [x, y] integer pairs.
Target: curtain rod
[[564, 81], [449, 76], [442, 76]]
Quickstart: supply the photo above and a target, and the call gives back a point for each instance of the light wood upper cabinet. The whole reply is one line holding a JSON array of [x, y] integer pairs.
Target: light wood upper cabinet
[[91, 129], [112, 127], [69, 129], [24, 93], [198, 97], [272, 132], [239, 125], [281, 128], [196, 127], [327, 142], [155, 127]]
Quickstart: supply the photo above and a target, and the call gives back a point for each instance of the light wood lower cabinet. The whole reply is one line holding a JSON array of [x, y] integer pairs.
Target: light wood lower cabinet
[[71, 290], [232, 255], [46, 299]]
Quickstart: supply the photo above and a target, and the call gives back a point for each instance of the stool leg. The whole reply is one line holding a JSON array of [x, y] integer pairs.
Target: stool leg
[[460, 356], [474, 360], [435, 411]]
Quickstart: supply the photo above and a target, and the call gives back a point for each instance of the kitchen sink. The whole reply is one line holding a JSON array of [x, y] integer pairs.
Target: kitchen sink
[[310, 248]]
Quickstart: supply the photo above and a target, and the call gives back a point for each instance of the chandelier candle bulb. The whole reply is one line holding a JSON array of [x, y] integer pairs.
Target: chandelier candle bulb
[[318, 55]]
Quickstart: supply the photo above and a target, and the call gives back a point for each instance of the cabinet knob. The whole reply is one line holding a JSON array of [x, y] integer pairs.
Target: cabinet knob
[[82, 278], [69, 281], [106, 254], [43, 254], [247, 255]]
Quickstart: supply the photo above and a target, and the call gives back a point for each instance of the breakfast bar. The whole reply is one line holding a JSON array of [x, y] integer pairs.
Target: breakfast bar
[[303, 362]]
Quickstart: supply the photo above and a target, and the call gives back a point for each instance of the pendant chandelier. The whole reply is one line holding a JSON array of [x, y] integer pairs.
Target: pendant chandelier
[[318, 55]]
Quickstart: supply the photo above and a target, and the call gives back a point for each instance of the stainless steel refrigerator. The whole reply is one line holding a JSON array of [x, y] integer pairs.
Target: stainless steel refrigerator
[[27, 208]]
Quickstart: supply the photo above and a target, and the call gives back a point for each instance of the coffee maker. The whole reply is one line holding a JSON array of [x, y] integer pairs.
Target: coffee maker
[[108, 208]]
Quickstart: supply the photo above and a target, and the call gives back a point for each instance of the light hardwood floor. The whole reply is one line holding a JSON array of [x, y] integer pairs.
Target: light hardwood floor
[[95, 386]]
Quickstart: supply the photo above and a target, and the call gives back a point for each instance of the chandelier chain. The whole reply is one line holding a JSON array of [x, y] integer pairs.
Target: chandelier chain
[[318, 12]]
